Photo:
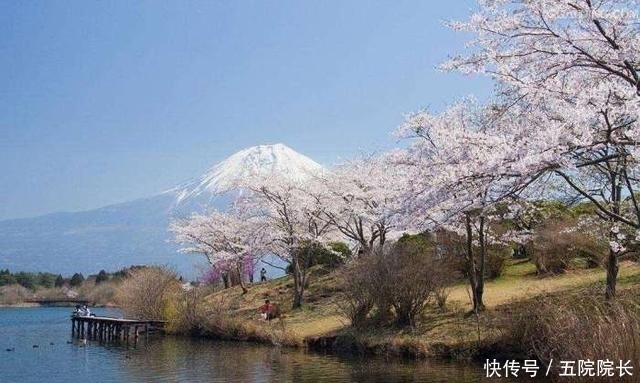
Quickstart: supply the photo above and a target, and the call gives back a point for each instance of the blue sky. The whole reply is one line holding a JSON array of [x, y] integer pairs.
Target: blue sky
[[104, 102]]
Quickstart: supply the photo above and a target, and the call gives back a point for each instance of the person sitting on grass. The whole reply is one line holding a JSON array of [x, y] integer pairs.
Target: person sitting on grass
[[265, 310]]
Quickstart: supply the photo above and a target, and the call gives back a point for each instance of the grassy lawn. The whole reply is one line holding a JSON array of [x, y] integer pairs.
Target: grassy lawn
[[321, 314], [520, 282]]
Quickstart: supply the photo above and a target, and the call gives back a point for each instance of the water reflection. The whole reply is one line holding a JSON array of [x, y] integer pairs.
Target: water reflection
[[183, 360]]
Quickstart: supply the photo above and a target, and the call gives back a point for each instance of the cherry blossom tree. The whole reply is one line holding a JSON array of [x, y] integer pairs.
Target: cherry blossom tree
[[291, 211], [228, 240], [461, 165], [574, 65], [360, 199]]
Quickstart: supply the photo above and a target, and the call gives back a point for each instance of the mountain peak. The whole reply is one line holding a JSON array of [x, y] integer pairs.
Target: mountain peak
[[260, 160]]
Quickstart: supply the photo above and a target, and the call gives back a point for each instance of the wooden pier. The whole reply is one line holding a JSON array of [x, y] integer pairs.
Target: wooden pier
[[107, 329]]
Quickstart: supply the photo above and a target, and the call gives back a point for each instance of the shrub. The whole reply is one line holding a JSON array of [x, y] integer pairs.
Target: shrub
[[313, 254], [147, 292], [441, 295], [103, 294], [591, 241], [496, 261], [559, 241], [407, 279], [52, 293], [395, 283], [552, 247], [190, 312], [359, 294], [452, 247], [12, 294], [579, 328]]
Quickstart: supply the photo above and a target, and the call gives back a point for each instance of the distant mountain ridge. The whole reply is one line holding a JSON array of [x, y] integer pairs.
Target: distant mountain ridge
[[135, 232]]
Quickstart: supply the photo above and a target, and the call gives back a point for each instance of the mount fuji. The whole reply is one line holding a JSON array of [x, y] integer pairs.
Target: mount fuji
[[217, 186], [135, 232]]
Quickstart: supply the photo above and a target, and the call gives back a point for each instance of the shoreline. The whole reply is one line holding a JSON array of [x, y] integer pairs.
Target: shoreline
[[352, 345], [20, 305], [451, 334], [348, 343], [32, 304]]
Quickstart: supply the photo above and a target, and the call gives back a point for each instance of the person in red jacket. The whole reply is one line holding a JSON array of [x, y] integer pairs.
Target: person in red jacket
[[265, 310]]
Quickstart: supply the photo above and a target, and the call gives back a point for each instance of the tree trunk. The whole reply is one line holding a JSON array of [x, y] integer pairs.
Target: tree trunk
[[471, 264], [480, 277], [298, 283], [240, 279], [476, 272], [301, 264], [612, 275], [612, 260], [365, 249], [225, 280]]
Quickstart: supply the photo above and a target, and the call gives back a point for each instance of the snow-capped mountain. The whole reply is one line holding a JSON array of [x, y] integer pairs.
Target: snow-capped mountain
[[120, 235], [256, 161]]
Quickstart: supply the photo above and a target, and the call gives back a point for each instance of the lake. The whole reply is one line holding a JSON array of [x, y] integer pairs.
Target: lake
[[59, 358]]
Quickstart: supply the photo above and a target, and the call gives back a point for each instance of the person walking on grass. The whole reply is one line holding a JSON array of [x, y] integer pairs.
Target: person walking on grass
[[263, 275]]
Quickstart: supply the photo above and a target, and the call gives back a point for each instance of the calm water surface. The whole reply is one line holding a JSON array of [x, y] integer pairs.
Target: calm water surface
[[59, 358]]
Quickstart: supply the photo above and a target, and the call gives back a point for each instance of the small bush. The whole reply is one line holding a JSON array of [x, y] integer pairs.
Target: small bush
[[356, 283], [331, 256], [52, 293], [496, 261], [147, 292], [411, 280], [453, 247], [558, 241], [200, 314], [552, 247], [190, 312], [441, 295], [103, 294], [13, 294]]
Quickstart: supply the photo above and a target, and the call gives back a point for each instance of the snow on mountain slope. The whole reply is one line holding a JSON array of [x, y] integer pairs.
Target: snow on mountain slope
[[256, 161]]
